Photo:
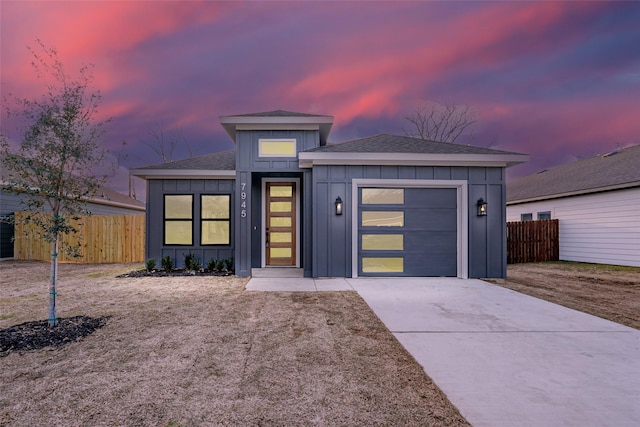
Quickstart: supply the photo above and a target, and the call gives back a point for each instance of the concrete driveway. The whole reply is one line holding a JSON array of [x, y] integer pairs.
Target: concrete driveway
[[507, 359]]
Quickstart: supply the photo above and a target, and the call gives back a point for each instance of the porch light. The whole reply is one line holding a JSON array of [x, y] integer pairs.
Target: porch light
[[338, 206], [482, 207]]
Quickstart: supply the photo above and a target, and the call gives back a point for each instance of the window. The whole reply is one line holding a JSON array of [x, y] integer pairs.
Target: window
[[277, 147], [544, 215], [526, 217], [382, 242], [178, 219], [383, 265], [215, 219], [382, 196], [382, 219]]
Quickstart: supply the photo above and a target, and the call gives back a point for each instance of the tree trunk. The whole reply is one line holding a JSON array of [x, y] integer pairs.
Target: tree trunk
[[53, 280]]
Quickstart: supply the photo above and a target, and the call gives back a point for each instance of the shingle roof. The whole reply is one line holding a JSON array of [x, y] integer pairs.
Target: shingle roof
[[385, 143], [225, 160], [618, 168]]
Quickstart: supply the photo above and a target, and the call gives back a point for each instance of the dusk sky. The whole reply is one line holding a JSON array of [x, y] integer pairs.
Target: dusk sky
[[557, 80]]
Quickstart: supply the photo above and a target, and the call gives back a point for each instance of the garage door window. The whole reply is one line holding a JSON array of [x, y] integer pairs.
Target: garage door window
[[382, 196], [382, 242], [383, 265], [383, 219]]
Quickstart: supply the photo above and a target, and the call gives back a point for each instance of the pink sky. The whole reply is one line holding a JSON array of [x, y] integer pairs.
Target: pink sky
[[557, 80]]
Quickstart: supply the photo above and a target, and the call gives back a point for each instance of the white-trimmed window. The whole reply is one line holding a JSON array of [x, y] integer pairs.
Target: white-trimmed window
[[281, 147], [526, 217], [544, 215]]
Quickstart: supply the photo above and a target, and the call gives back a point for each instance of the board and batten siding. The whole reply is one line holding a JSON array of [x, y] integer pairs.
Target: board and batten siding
[[602, 228], [332, 247]]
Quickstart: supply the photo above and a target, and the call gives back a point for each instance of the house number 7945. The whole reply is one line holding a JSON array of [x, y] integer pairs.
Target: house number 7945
[[243, 200]]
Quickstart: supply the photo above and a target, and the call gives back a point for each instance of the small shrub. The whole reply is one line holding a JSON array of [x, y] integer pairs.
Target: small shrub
[[211, 264], [188, 260], [196, 265], [151, 264], [167, 263], [220, 265]]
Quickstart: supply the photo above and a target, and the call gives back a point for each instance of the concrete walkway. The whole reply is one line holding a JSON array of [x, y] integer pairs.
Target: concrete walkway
[[504, 358]]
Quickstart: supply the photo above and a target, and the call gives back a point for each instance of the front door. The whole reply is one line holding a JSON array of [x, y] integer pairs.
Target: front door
[[280, 227]]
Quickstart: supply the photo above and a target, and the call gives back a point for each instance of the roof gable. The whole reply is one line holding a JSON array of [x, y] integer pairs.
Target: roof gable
[[618, 169]]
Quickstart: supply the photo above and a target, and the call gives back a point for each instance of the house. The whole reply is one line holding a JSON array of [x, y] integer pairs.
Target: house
[[286, 198], [596, 201], [107, 202]]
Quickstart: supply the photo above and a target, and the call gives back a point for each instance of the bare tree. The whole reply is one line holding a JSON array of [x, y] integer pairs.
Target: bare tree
[[55, 166], [164, 143], [444, 123]]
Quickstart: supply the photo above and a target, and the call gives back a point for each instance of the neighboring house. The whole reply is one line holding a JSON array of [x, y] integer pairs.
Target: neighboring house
[[107, 202], [379, 206], [596, 200]]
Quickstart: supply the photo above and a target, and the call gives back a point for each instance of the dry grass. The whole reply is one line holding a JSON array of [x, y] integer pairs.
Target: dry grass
[[607, 291], [202, 351]]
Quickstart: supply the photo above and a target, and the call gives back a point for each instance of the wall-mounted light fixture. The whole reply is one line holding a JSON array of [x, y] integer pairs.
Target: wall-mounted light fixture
[[338, 206], [482, 207]]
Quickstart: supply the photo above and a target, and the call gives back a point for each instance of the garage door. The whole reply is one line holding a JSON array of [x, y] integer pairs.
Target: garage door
[[407, 232]]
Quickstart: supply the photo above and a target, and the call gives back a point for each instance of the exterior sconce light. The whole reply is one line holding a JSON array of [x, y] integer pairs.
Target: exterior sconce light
[[482, 207], [338, 206]]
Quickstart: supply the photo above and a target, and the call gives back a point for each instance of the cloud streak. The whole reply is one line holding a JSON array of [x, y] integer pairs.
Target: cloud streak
[[554, 79]]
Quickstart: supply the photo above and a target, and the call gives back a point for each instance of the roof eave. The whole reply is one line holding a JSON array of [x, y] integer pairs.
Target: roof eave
[[106, 202], [183, 173], [309, 159], [231, 123], [573, 193]]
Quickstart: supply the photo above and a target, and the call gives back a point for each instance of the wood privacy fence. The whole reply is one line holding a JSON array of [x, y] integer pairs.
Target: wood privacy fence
[[104, 239], [533, 241]]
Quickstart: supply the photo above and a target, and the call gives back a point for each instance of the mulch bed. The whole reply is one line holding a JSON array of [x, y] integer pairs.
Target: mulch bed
[[176, 272], [37, 334]]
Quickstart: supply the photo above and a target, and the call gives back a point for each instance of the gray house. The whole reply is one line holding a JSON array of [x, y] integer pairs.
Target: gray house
[[378, 206]]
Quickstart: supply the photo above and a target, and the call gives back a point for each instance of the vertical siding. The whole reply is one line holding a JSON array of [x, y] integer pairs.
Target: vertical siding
[[599, 228], [332, 245], [156, 189]]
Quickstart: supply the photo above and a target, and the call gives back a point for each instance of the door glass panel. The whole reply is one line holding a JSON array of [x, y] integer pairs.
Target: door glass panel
[[382, 242], [280, 252], [382, 196], [382, 219], [279, 237], [277, 191], [280, 206], [382, 265], [275, 221]]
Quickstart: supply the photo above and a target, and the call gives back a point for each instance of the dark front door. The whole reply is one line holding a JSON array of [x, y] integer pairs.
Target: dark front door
[[280, 226]]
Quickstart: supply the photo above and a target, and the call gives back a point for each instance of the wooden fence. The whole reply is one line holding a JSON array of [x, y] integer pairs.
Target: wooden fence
[[533, 241], [104, 239]]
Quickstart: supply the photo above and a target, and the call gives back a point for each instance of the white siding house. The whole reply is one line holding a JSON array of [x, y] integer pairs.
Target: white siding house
[[597, 202]]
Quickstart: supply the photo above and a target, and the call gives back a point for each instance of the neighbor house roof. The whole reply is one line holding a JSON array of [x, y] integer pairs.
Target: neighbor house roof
[[615, 170], [109, 197], [216, 165], [278, 120], [387, 149]]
